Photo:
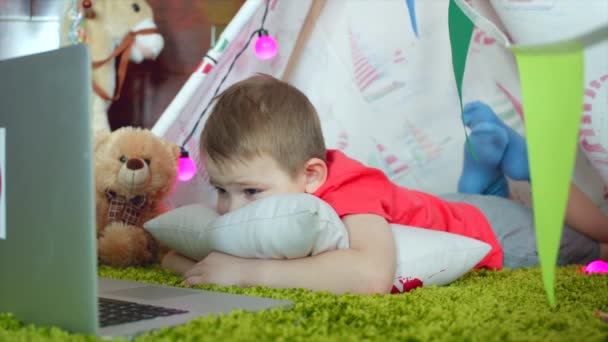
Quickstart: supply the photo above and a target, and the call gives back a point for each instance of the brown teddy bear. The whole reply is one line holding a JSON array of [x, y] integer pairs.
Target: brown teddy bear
[[134, 172]]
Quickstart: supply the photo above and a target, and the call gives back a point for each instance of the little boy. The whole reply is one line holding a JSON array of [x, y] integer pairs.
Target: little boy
[[264, 137]]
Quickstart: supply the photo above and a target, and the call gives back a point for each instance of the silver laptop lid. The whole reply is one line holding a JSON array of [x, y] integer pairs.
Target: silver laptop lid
[[48, 265]]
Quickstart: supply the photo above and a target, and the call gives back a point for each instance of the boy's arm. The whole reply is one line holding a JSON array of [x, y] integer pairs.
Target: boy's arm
[[177, 263], [584, 216], [368, 266]]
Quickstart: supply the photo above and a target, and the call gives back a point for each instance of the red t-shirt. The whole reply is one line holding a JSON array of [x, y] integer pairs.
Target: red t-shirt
[[353, 188]]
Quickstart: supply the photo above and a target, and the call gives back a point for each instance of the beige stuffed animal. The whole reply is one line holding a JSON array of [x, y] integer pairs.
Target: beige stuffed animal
[[112, 29], [134, 172]]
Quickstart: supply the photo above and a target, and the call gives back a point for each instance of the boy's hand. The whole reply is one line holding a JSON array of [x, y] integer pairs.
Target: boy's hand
[[219, 269]]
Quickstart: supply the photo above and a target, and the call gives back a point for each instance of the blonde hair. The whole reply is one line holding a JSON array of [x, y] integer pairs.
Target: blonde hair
[[263, 115]]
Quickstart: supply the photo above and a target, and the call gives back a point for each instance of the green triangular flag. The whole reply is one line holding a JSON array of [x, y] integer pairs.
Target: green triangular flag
[[552, 96], [461, 30]]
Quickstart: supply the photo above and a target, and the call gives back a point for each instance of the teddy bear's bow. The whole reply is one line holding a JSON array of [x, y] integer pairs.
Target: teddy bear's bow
[[123, 209]]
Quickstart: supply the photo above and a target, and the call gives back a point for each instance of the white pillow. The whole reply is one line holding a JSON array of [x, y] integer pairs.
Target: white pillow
[[298, 225], [284, 226], [431, 257]]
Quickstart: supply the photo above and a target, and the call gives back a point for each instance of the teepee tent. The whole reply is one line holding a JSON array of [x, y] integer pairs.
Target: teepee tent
[[388, 81]]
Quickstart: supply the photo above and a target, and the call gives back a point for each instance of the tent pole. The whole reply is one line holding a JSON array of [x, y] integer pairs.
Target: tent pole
[[311, 18]]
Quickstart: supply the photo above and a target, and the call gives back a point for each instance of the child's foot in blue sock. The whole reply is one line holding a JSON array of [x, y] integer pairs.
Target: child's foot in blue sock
[[489, 143], [482, 174], [514, 163], [489, 140]]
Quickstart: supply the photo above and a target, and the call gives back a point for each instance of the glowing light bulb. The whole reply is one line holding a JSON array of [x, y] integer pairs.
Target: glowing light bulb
[[186, 167], [265, 46], [597, 266]]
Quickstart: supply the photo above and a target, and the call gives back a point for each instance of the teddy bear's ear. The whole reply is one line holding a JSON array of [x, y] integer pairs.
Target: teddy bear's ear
[[100, 138]]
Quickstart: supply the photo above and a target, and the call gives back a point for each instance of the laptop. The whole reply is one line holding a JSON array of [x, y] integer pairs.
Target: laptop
[[48, 262]]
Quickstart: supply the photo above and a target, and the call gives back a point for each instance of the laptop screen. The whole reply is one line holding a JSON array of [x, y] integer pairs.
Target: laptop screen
[[48, 266]]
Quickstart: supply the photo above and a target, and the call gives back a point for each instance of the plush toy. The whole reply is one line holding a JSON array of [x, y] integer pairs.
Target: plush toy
[[134, 172], [499, 152], [112, 29]]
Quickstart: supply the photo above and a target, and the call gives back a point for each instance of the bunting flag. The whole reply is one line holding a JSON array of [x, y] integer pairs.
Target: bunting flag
[[411, 7], [460, 30], [552, 95]]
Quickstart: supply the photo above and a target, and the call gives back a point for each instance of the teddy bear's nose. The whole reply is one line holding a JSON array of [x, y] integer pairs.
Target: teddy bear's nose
[[135, 164]]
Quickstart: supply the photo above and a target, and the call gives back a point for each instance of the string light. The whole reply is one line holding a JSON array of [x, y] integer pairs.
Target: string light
[[265, 47], [187, 166], [597, 266]]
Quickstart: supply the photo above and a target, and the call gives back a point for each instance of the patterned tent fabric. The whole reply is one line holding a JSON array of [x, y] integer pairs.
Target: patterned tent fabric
[[380, 75]]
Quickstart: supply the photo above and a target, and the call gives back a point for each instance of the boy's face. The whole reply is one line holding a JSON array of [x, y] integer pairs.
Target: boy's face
[[244, 182]]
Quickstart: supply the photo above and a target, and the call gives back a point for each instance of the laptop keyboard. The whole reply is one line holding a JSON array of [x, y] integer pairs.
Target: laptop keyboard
[[112, 312]]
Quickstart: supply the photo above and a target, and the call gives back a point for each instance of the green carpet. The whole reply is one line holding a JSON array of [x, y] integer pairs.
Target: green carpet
[[482, 306]]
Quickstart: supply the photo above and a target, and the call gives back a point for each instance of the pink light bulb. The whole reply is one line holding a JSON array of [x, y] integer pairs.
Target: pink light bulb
[[597, 266], [265, 47], [186, 167]]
